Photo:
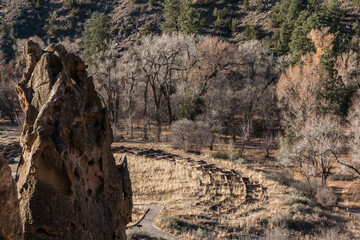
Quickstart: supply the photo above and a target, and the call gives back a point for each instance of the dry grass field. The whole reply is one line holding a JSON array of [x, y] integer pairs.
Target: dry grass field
[[9, 132], [283, 210]]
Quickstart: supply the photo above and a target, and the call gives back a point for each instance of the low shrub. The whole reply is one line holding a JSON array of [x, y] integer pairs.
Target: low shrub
[[252, 32], [201, 233], [172, 223], [189, 135], [326, 198], [232, 153], [220, 155], [304, 188], [135, 234], [277, 233], [333, 234], [284, 179], [177, 226], [282, 219], [296, 199]]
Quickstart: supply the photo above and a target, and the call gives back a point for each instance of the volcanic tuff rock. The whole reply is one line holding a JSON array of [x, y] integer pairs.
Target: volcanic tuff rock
[[69, 185], [10, 222]]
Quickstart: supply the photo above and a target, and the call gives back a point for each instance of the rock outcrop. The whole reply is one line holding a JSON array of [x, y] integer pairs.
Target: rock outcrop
[[69, 185], [10, 222]]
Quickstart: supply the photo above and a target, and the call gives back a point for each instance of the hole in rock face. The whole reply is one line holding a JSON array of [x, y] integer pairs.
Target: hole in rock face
[[89, 192], [72, 226], [42, 231], [76, 173], [68, 89], [100, 163], [55, 66], [55, 108]]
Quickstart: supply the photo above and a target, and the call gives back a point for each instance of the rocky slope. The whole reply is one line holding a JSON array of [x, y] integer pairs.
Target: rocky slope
[[68, 183], [132, 19]]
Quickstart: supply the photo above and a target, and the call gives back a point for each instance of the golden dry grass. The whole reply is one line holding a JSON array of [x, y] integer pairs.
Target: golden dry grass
[[9, 132], [160, 181], [175, 187], [351, 194]]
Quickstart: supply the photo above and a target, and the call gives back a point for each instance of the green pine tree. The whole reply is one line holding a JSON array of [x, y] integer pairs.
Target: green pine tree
[[13, 35], [234, 25], [96, 36], [335, 92], [357, 2], [246, 4], [328, 15], [299, 43], [189, 19], [52, 24], [215, 12], [171, 14], [4, 28], [37, 5]]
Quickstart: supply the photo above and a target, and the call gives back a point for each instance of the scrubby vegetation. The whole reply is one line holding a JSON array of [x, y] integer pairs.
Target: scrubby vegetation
[[269, 85]]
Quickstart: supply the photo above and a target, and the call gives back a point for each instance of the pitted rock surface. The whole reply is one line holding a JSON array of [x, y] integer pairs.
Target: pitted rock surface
[[68, 183], [10, 222]]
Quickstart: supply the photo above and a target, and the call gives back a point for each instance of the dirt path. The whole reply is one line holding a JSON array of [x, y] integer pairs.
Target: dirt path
[[353, 212], [147, 223]]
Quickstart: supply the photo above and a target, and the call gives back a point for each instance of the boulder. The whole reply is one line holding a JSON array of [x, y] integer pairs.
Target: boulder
[[68, 183], [10, 222]]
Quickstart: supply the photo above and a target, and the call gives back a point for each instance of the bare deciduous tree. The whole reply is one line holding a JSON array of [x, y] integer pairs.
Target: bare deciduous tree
[[267, 141], [246, 130], [353, 144], [9, 104], [105, 70], [313, 148], [163, 59]]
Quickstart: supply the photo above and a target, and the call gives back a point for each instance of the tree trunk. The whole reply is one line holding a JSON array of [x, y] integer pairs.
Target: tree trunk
[[212, 141], [145, 138], [267, 153], [158, 134], [242, 148], [169, 111], [131, 128]]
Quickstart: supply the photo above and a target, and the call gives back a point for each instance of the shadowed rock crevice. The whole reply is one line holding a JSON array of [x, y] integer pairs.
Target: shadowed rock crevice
[[10, 222], [69, 185]]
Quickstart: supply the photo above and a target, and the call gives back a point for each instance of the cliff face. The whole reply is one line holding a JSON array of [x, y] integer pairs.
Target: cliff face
[[69, 185], [10, 222]]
